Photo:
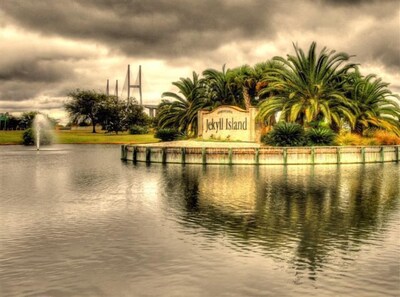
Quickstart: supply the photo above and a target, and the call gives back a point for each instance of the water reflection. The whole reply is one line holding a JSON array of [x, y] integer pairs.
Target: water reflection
[[304, 215], [78, 222]]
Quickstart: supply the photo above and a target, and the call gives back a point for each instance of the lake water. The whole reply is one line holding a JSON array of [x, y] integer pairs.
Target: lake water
[[77, 221]]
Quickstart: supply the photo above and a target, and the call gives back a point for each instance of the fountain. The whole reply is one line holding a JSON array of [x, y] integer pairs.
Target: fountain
[[41, 126]]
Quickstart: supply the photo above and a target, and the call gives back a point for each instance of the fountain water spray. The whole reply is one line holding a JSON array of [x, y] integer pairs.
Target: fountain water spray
[[41, 125]]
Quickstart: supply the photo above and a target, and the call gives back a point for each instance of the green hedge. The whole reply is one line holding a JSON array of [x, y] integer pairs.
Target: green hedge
[[167, 134], [136, 129], [293, 134]]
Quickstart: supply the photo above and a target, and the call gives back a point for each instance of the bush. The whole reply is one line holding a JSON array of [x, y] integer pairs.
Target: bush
[[370, 141], [386, 138], [167, 134], [29, 137], [285, 134], [136, 129], [320, 136], [348, 139]]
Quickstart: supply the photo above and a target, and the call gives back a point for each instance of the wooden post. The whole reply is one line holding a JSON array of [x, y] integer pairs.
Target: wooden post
[[397, 153], [363, 154], [148, 155], [285, 155], [203, 156], [135, 154], [124, 152], [164, 155], [338, 155], [312, 155], [257, 156], [230, 156], [382, 153], [183, 155]]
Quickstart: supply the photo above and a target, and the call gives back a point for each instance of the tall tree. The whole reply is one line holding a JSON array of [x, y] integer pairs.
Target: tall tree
[[251, 80], [27, 118], [180, 109], [309, 88], [221, 89], [84, 105], [377, 106], [245, 77]]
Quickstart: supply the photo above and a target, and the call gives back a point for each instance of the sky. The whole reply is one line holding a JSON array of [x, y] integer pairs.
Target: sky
[[49, 48]]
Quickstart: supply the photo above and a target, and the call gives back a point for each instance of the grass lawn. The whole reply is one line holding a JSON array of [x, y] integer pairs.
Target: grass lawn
[[81, 137], [11, 137]]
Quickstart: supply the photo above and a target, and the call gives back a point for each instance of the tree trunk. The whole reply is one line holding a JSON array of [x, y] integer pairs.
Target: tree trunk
[[94, 127], [247, 99]]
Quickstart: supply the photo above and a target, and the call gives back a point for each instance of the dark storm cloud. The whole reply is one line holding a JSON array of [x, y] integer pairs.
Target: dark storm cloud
[[146, 28], [382, 46], [48, 48], [36, 71], [19, 91]]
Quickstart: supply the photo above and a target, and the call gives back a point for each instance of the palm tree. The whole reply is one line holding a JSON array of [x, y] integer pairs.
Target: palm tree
[[245, 78], [181, 112], [220, 88], [309, 88], [377, 106]]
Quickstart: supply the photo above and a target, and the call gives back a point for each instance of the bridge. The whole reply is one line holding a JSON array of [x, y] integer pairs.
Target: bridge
[[152, 109]]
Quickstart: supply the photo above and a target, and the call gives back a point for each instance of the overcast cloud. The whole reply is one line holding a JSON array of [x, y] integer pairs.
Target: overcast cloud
[[50, 47]]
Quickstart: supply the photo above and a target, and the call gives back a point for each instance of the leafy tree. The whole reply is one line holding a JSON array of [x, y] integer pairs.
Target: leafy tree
[[135, 115], [111, 114], [181, 112], [251, 80], [309, 87], [13, 122], [117, 115], [84, 106], [245, 78], [377, 107], [221, 89], [27, 118]]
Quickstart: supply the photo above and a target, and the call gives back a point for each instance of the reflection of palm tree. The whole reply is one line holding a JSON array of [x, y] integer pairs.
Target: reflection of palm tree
[[309, 214]]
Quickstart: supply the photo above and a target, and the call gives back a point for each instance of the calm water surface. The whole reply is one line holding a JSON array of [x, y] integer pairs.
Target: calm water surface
[[76, 221]]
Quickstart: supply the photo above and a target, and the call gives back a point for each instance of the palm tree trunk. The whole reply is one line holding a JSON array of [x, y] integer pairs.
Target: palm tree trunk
[[247, 98]]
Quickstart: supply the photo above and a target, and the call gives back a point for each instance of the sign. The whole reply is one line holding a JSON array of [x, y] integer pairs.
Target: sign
[[227, 123]]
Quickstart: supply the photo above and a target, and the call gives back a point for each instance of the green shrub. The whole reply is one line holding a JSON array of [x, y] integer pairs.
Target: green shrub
[[285, 134], [320, 136], [167, 134], [29, 137], [136, 129]]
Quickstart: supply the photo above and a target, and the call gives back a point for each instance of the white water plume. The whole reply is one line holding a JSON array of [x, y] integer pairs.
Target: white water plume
[[42, 130]]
